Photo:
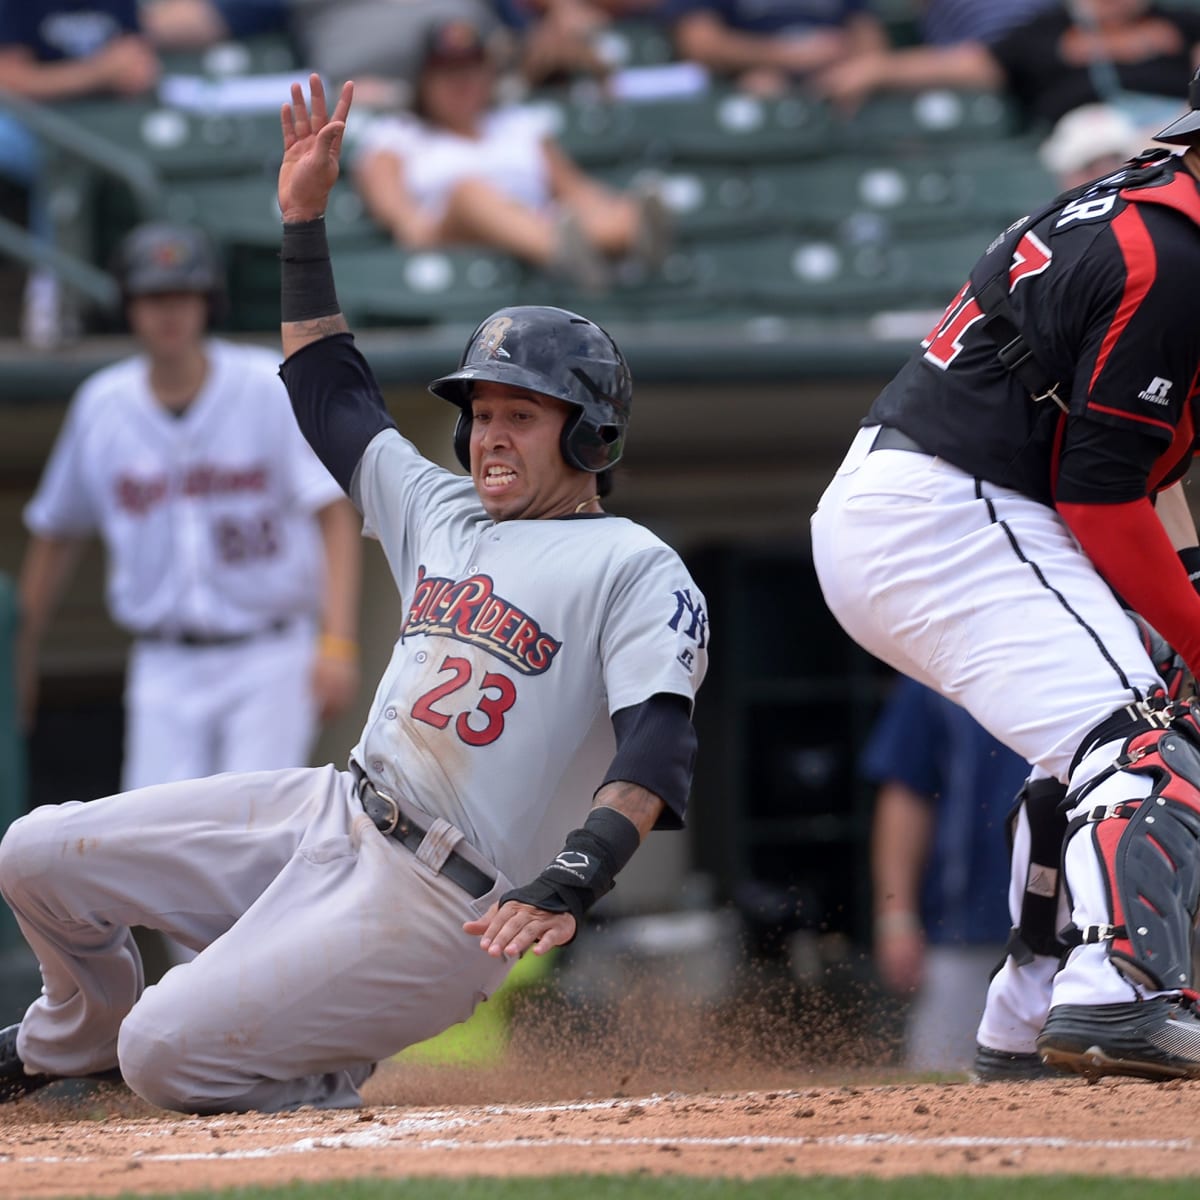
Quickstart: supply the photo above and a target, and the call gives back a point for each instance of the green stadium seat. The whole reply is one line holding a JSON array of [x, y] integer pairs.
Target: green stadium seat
[[390, 286], [868, 196], [786, 274], [721, 126], [262, 54], [593, 132], [935, 117], [243, 211], [634, 43], [179, 143], [726, 126], [946, 191], [704, 198]]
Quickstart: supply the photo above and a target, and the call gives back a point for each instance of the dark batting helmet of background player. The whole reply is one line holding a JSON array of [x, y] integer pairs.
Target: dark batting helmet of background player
[[555, 353], [1186, 130], [158, 258]]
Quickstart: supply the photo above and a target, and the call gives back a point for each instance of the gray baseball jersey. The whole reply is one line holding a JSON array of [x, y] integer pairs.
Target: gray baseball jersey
[[520, 639]]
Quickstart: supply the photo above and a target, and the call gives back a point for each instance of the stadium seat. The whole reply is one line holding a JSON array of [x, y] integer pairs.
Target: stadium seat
[[726, 126], [180, 144], [634, 43], [720, 126], [910, 193], [243, 211], [703, 198], [787, 274], [592, 131], [934, 117], [262, 54], [390, 286]]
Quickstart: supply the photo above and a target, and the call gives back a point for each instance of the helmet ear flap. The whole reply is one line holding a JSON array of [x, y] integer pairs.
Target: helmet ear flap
[[590, 448], [462, 439]]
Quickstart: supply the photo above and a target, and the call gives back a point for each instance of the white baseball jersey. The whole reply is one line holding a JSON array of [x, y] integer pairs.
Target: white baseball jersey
[[520, 639], [207, 517]]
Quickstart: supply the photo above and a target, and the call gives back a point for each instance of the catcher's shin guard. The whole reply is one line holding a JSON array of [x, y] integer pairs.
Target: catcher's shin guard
[[1149, 853], [1036, 930]]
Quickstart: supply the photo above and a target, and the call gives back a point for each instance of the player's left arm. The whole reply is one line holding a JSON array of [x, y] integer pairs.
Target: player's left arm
[[336, 670], [1131, 404], [547, 911], [654, 649]]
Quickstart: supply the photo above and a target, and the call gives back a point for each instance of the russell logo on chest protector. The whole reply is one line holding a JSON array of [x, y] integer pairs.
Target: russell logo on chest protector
[[1156, 391], [469, 610]]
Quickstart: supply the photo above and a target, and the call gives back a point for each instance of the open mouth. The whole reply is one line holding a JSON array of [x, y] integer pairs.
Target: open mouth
[[497, 477]]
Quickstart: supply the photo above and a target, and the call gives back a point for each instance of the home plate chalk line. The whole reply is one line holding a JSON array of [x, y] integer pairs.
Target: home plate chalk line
[[411, 1131]]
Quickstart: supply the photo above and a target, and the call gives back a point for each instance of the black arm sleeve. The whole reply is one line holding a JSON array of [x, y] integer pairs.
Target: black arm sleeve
[[337, 402], [1105, 464], [656, 749]]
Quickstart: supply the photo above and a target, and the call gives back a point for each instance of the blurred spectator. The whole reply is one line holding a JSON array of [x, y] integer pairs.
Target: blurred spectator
[[559, 40], [767, 46], [556, 38], [195, 24], [940, 867], [61, 50], [945, 22], [1079, 52], [377, 43], [461, 170], [1089, 141]]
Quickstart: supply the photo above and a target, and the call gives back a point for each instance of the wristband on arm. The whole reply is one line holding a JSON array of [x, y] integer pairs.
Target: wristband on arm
[[584, 868], [306, 289]]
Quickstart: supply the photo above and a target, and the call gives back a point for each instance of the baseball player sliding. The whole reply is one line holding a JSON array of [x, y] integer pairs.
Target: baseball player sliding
[[233, 557], [532, 726], [1022, 467]]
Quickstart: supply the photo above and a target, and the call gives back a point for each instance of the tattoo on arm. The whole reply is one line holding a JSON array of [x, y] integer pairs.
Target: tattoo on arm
[[642, 807], [298, 334]]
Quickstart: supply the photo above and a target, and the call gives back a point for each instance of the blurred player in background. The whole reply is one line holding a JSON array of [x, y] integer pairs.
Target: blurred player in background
[[939, 866], [233, 557]]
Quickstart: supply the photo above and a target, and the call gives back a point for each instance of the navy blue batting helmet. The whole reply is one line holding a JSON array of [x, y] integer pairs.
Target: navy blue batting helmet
[[555, 353]]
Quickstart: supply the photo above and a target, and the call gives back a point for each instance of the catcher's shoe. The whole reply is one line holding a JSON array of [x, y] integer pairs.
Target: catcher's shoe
[[1005, 1066], [16, 1082], [1149, 1039]]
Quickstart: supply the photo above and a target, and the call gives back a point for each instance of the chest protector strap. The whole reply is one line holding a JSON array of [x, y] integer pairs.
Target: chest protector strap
[[990, 279], [1149, 855]]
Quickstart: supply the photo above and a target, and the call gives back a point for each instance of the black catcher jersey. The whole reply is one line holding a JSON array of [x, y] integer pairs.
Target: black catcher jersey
[[1100, 285]]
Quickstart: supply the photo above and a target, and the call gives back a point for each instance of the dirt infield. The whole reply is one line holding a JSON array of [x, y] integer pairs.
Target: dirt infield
[[654, 1086], [109, 1143]]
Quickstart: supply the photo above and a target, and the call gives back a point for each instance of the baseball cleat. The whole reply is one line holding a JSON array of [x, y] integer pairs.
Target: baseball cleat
[[16, 1082], [1148, 1039], [1005, 1066]]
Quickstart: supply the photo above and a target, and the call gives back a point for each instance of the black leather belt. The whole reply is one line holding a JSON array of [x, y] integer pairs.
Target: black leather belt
[[190, 637], [892, 439], [389, 820]]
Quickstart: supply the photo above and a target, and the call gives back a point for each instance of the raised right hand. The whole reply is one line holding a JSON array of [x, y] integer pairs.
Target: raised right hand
[[312, 146]]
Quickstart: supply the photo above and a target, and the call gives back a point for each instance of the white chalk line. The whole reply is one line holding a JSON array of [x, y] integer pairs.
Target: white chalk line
[[389, 1136]]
